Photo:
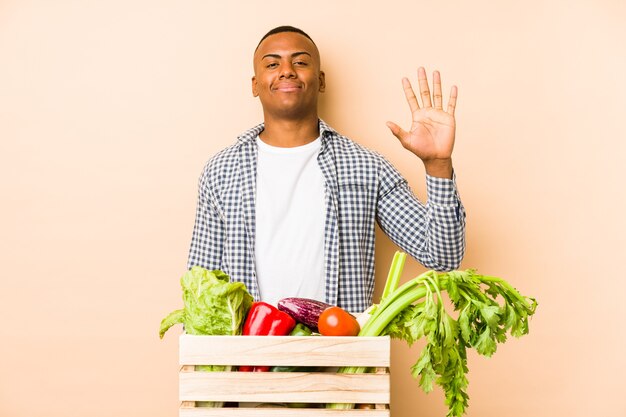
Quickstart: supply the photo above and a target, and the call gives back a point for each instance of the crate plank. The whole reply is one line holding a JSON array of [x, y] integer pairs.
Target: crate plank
[[279, 412], [284, 350], [284, 387]]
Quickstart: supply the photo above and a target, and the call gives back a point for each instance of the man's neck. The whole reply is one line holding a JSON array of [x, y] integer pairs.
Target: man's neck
[[286, 133]]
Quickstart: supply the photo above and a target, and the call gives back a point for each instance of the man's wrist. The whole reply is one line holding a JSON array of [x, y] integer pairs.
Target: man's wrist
[[440, 168]]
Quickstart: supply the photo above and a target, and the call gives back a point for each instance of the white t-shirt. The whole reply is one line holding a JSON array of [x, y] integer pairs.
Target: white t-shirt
[[290, 216]]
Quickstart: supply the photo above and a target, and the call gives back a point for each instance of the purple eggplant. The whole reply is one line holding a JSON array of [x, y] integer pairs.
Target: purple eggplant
[[304, 310]]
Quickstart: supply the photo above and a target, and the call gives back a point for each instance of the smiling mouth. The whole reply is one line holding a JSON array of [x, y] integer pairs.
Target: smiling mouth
[[287, 88]]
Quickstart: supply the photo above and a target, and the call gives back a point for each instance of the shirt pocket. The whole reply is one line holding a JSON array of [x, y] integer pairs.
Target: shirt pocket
[[356, 204]]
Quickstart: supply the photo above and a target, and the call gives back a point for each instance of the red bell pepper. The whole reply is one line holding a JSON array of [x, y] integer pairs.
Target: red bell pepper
[[265, 320]]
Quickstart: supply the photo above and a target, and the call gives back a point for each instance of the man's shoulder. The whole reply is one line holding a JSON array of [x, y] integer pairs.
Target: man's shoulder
[[225, 156], [229, 156], [348, 148], [356, 160], [219, 166]]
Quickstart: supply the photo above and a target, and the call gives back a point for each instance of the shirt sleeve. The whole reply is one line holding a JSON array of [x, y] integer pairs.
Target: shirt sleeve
[[433, 233], [207, 241]]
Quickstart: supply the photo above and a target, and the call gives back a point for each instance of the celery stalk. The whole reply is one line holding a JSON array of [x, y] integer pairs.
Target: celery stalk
[[416, 310], [393, 278]]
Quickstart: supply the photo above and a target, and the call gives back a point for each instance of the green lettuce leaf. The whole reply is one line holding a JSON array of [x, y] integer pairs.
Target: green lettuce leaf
[[212, 304]]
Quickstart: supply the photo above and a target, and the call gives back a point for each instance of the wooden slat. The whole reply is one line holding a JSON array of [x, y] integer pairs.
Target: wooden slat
[[284, 387], [284, 350], [279, 412], [381, 406]]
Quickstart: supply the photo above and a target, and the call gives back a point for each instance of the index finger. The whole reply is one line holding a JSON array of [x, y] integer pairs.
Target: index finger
[[410, 95]]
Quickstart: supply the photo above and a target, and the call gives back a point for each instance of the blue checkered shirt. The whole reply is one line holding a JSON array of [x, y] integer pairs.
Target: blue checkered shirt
[[361, 188]]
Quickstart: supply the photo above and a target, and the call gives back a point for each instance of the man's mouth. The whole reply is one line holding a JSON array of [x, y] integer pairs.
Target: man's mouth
[[287, 87]]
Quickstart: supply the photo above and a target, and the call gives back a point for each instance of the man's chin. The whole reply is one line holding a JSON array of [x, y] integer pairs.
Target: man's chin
[[293, 112]]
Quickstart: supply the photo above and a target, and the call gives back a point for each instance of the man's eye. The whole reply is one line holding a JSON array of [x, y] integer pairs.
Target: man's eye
[[272, 65], [302, 63]]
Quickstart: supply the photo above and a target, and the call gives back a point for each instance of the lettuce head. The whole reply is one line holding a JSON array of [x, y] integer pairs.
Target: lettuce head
[[212, 304]]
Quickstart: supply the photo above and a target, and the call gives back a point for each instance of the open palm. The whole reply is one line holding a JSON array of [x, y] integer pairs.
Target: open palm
[[431, 136]]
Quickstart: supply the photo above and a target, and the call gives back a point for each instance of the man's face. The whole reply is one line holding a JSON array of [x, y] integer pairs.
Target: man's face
[[287, 77]]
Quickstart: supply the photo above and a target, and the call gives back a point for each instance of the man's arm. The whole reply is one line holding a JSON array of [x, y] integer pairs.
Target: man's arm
[[207, 241], [434, 233]]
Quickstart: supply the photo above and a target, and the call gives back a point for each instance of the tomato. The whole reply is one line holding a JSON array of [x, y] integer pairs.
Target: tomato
[[335, 321]]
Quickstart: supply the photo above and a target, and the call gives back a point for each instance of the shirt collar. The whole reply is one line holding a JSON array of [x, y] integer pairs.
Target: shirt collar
[[249, 135]]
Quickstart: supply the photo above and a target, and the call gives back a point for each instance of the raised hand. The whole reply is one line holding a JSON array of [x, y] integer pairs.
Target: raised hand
[[431, 137]]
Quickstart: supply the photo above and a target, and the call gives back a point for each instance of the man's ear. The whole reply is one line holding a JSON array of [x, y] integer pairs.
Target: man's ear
[[255, 93], [322, 82]]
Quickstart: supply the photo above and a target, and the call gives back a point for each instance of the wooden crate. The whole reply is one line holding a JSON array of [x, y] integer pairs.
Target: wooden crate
[[284, 387]]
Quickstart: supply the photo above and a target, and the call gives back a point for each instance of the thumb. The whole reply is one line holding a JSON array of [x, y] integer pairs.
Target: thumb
[[397, 131]]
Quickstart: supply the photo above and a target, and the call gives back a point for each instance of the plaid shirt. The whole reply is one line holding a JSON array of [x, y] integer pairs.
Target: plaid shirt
[[362, 187]]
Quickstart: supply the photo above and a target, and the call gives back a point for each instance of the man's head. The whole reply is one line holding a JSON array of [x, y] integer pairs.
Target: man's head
[[287, 76]]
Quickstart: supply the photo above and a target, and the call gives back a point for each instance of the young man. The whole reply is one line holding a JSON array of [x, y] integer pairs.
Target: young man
[[290, 208]]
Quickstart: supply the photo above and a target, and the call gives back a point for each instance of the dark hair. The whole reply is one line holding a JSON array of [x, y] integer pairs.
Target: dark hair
[[282, 29]]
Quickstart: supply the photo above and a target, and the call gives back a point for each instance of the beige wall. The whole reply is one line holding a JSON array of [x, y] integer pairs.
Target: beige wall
[[109, 109]]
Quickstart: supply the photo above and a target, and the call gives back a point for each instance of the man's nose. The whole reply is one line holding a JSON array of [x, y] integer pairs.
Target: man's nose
[[287, 71]]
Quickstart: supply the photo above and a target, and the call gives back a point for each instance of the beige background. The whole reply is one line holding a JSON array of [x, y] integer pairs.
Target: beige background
[[109, 109]]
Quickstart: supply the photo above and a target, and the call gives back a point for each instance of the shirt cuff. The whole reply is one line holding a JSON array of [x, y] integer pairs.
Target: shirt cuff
[[442, 191]]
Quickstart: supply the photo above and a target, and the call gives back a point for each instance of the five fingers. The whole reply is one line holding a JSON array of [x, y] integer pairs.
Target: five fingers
[[437, 98]]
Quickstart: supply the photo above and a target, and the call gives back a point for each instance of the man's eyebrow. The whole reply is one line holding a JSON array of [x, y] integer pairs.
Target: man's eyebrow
[[277, 56]]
